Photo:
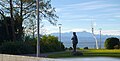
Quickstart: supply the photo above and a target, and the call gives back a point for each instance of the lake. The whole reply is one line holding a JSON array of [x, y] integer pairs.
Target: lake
[[84, 44], [89, 59]]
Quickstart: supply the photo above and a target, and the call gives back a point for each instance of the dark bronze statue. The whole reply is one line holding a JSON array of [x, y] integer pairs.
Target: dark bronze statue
[[74, 41]]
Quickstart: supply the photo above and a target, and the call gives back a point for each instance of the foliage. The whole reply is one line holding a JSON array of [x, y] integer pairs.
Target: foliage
[[5, 29], [110, 43], [22, 11], [85, 47], [70, 48], [16, 48], [28, 46], [48, 43], [29, 38], [51, 44]]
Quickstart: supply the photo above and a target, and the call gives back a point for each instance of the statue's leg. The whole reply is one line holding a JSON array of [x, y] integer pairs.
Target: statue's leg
[[74, 47]]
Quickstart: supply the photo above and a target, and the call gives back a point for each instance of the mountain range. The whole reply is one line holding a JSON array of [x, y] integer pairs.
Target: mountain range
[[84, 34], [84, 39]]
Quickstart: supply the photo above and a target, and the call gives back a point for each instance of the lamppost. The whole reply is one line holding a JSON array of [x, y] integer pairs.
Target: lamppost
[[96, 42], [100, 37], [60, 32], [38, 35]]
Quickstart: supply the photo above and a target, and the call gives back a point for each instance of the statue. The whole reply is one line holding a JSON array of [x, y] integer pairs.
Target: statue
[[74, 41]]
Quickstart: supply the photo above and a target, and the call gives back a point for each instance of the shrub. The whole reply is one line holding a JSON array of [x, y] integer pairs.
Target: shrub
[[110, 43], [47, 44], [51, 44], [1, 41], [70, 48], [16, 48], [85, 47]]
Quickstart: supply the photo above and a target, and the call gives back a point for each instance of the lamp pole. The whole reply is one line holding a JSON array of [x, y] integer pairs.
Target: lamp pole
[[96, 42], [60, 32], [38, 35], [100, 38]]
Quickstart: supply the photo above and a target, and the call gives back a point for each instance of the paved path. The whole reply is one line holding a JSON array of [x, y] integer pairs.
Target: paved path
[[44, 54]]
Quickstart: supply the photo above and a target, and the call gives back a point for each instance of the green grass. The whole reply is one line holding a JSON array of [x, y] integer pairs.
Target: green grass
[[102, 52], [89, 53]]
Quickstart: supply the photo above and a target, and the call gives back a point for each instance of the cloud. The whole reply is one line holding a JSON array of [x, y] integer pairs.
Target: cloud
[[91, 5], [55, 29], [109, 32], [58, 9], [51, 29], [86, 10], [105, 13], [74, 30], [104, 32], [112, 10], [82, 4], [78, 6], [117, 16], [97, 6]]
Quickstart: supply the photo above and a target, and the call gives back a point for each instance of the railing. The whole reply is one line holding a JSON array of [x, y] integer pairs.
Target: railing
[[5, 57]]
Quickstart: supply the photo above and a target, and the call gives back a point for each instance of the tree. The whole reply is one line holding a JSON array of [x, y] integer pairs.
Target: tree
[[22, 10], [110, 43]]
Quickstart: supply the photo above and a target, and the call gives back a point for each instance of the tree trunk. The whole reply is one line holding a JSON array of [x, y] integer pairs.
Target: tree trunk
[[12, 21], [21, 9], [33, 32], [21, 20]]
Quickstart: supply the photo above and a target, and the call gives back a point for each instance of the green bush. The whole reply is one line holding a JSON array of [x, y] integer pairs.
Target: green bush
[[70, 48], [47, 44], [51, 44], [111, 43], [16, 48], [1, 41]]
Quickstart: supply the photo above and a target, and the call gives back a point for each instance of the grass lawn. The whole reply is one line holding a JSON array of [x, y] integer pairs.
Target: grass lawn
[[89, 53]]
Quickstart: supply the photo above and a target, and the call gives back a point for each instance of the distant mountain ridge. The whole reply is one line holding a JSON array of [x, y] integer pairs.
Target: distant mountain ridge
[[84, 34]]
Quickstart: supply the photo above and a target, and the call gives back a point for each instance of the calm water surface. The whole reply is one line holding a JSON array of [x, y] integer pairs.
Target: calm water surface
[[90, 59]]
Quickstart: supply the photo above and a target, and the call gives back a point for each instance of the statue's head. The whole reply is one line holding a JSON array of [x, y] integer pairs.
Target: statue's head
[[74, 33]]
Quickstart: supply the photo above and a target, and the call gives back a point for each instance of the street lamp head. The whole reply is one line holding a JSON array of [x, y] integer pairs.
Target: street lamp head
[[59, 25]]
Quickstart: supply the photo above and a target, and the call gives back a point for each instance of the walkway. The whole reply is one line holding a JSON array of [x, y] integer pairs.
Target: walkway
[[44, 54]]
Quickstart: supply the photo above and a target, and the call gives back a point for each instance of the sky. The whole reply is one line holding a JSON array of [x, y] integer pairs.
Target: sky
[[77, 15]]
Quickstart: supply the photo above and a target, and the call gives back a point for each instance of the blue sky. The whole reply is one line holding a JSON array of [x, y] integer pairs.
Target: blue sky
[[76, 15]]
